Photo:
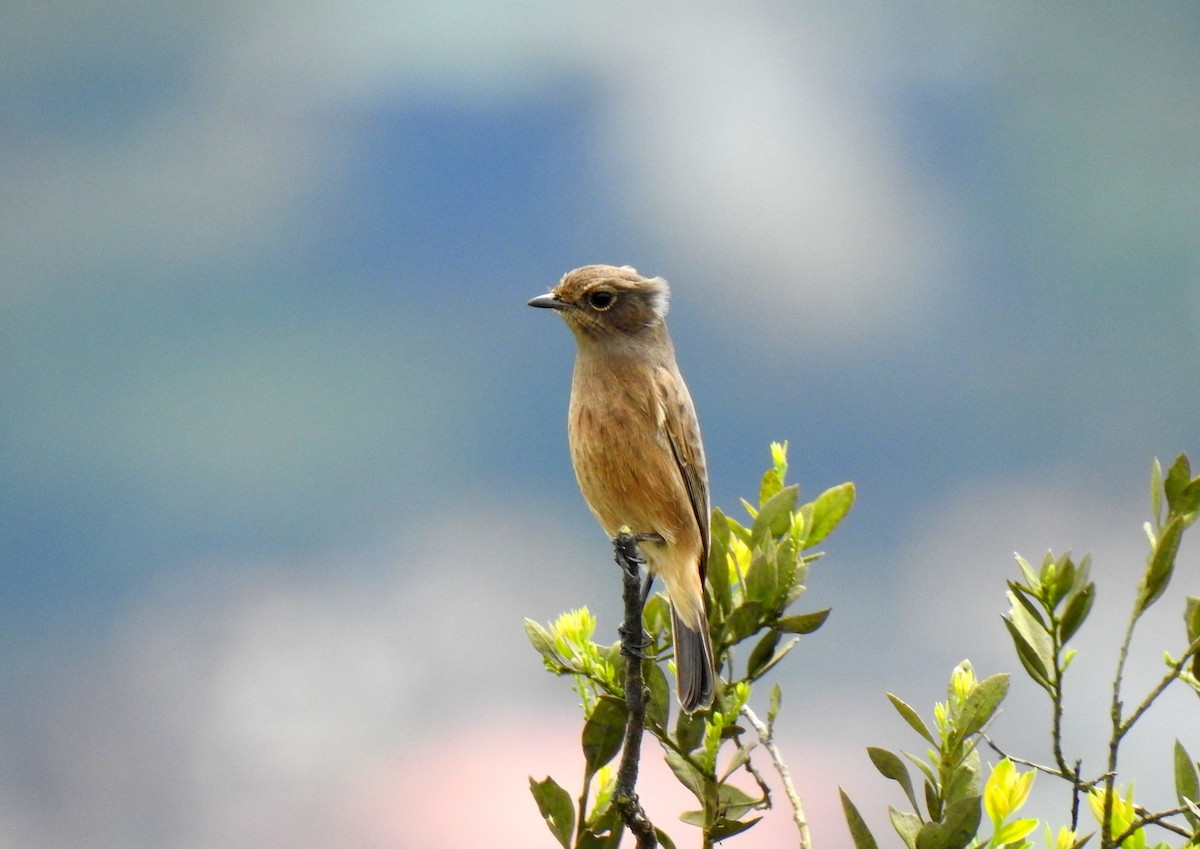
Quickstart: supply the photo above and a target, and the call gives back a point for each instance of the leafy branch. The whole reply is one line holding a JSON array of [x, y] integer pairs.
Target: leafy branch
[[756, 573], [1046, 610]]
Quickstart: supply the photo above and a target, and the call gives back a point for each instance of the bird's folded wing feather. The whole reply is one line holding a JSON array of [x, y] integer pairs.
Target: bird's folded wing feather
[[682, 430]]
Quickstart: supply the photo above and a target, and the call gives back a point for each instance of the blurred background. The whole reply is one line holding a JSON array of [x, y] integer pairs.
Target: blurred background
[[283, 459]]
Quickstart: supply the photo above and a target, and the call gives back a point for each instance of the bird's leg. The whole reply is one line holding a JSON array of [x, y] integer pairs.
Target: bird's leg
[[634, 638], [649, 575]]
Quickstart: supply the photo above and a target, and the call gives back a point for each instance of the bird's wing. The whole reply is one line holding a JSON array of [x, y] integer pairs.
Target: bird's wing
[[678, 419]]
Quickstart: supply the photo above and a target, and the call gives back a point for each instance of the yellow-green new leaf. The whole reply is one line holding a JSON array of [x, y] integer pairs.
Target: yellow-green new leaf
[[775, 515], [829, 509]]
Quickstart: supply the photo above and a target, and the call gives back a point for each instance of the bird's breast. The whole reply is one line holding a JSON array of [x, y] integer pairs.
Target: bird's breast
[[624, 466]]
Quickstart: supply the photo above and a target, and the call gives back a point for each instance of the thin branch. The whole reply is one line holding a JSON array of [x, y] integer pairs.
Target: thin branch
[[1176, 669], [1114, 742], [1056, 699], [633, 643], [768, 740], [1159, 819], [1049, 770], [1076, 793]]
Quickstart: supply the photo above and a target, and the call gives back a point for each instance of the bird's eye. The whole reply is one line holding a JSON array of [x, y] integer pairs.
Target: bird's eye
[[601, 300]]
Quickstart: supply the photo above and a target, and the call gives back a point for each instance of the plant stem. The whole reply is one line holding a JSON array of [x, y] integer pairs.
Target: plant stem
[[1114, 742], [768, 740], [633, 643], [1176, 669], [1056, 698]]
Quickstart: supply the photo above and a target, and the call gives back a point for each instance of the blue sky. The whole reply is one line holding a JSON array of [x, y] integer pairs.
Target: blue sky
[[283, 453]]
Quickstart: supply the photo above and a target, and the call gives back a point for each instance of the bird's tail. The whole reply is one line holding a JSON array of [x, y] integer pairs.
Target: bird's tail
[[695, 678]]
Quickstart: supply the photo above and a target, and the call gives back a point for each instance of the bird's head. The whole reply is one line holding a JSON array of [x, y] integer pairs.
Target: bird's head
[[603, 302]]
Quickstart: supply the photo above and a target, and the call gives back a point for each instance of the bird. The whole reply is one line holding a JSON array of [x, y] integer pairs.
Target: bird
[[636, 449]]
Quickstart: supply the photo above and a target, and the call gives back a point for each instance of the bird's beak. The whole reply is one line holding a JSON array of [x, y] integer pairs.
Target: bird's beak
[[548, 301]]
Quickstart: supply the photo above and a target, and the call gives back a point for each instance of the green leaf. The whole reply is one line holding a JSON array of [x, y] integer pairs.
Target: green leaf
[[737, 529], [1011, 833], [689, 730], [556, 808], [1064, 578], [907, 825], [744, 621], [541, 640], [1187, 785], [771, 484], [603, 831], [1191, 619], [656, 616], [859, 833], [891, 765], [1029, 656], [933, 802], [1021, 594], [776, 701], [1034, 631], [1162, 563], [735, 801], [740, 758], [924, 766], [763, 669], [603, 733], [911, 717], [688, 775], [664, 839], [964, 780], [1031, 577], [761, 653], [718, 571], [829, 509], [775, 515], [804, 623], [762, 578], [982, 703], [658, 706], [1188, 501], [1156, 484], [1079, 605], [1178, 477], [724, 828], [956, 829]]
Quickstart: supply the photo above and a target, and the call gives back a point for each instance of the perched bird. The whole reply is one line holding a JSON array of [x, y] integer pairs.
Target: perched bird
[[635, 445]]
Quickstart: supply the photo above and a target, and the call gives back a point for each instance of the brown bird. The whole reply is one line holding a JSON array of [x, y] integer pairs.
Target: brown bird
[[635, 445]]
